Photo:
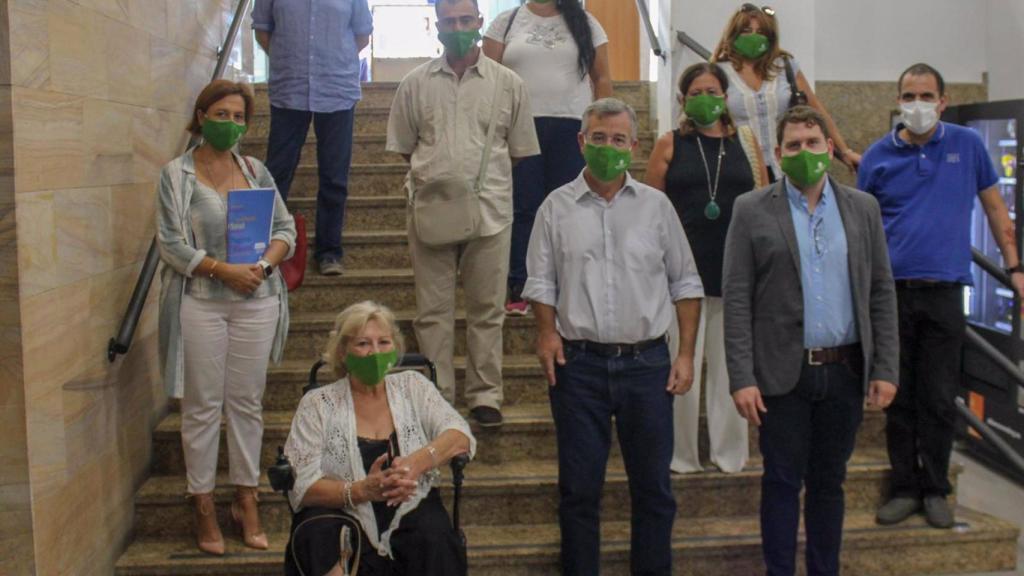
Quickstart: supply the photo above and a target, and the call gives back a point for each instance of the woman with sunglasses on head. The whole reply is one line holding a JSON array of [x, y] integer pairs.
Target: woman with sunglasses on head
[[703, 166], [561, 52], [760, 71], [220, 323], [369, 446]]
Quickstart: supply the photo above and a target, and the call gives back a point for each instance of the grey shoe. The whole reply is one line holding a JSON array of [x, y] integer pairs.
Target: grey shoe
[[331, 267], [897, 510], [487, 417], [937, 512]]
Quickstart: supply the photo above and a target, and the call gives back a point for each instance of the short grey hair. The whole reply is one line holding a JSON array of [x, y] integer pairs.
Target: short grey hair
[[609, 107]]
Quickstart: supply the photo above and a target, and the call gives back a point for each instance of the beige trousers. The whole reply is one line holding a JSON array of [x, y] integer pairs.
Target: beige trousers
[[227, 348], [482, 263], [727, 430]]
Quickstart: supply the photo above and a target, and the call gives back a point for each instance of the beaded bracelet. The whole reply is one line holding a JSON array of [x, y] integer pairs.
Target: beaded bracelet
[[348, 495]]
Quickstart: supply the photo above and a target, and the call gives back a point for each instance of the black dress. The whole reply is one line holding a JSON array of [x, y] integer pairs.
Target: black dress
[[424, 543], [686, 184]]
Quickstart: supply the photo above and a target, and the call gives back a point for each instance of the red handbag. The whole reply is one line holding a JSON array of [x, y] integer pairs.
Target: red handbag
[[294, 268]]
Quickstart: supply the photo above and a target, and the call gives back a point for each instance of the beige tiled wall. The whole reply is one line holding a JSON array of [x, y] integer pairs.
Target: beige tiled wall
[[99, 94]]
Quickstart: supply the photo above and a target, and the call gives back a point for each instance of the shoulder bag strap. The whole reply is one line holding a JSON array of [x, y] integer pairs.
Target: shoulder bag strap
[[796, 96], [495, 104], [511, 19]]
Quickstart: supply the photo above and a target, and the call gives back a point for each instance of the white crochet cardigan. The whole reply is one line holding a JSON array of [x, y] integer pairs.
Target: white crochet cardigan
[[322, 442]]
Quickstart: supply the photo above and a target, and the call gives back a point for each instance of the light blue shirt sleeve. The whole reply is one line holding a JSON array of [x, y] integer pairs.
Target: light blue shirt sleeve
[[263, 15], [542, 274], [362, 20]]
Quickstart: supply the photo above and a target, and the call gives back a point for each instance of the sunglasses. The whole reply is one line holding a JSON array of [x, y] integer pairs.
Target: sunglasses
[[766, 10]]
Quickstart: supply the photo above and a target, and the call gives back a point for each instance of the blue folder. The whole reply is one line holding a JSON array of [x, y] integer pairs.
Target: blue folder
[[250, 215]]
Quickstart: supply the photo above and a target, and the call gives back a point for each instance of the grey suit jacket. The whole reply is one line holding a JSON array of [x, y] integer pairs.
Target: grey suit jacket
[[763, 301]]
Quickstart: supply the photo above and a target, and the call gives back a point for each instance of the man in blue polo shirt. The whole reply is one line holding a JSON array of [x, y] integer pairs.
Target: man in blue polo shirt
[[314, 47], [926, 174]]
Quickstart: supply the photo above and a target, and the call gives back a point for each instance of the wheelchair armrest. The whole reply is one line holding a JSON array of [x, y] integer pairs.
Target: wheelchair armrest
[[458, 464]]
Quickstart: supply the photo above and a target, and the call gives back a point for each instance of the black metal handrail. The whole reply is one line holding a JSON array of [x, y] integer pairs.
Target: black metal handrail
[[688, 41], [126, 332], [652, 35]]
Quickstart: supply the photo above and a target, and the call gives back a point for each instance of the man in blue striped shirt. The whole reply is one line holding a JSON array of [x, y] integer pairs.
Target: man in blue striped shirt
[[314, 47]]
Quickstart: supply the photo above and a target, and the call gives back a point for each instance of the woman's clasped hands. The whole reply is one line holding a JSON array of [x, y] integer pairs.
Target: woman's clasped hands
[[395, 484]]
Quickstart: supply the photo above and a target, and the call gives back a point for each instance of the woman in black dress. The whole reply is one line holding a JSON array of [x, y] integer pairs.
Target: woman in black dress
[[703, 166]]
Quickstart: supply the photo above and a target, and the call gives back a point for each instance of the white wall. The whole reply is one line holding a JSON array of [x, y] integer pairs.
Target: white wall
[[1004, 43]]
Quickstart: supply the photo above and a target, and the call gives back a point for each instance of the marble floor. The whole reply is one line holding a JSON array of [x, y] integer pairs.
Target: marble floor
[[984, 490]]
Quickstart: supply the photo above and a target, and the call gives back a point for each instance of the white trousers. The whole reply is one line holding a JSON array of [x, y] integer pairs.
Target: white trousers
[[727, 430], [227, 348]]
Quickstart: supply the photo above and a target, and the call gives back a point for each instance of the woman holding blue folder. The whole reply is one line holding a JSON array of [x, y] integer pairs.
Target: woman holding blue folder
[[220, 322]]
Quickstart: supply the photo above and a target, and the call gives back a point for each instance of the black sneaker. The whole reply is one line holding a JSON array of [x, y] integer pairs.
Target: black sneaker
[[897, 510], [937, 512], [486, 417]]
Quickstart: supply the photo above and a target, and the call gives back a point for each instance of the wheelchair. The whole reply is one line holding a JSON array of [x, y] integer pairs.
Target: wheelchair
[[282, 479]]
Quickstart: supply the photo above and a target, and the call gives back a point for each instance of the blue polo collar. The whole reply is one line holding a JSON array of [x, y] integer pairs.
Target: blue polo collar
[[900, 143]]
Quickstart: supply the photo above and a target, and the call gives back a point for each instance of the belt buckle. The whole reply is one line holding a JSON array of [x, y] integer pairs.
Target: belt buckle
[[810, 357], [618, 351]]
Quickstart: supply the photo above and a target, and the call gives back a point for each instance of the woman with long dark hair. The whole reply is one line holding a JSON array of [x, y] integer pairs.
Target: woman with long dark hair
[[561, 52], [703, 166], [759, 70]]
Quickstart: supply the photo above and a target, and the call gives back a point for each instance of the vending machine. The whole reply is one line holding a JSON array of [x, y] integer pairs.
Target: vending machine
[[992, 309]]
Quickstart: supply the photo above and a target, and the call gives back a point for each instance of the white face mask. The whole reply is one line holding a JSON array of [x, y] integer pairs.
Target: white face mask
[[919, 117]]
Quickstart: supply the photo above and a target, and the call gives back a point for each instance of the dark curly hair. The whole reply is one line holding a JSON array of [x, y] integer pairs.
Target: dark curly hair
[[579, 26]]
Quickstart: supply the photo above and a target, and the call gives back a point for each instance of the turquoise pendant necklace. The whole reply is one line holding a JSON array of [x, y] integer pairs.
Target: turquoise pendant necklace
[[712, 210]]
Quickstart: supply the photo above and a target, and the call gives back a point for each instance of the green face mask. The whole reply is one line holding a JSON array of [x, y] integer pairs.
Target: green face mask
[[751, 46], [805, 168], [459, 42], [705, 109], [606, 163], [222, 134], [370, 369]]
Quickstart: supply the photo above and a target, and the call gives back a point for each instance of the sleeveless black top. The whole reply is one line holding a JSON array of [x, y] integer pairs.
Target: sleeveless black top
[[370, 449], [686, 185]]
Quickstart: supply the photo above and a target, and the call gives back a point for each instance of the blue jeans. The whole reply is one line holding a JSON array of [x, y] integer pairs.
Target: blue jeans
[[533, 178], [590, 390], [288, 129], [807, 437]]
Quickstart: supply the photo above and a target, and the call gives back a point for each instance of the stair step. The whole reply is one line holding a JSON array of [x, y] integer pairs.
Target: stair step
[[374, 120], [381, 94], [523, 493], [381, 179], [701, 547], [528, 435], [362, 213], [308, 333], [370, 149]]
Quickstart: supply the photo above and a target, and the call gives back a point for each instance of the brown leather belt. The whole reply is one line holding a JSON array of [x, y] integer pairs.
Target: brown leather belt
[[849, 354], [614, 350]]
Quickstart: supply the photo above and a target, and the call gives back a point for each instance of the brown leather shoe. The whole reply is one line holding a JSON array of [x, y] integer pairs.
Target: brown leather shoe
[[208, 536], [246, 515]]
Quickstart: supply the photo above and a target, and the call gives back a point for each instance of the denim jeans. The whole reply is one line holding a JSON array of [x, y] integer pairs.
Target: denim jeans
[[590, 391], [807, 437], [920, 422], [288, 129], [533, 178]]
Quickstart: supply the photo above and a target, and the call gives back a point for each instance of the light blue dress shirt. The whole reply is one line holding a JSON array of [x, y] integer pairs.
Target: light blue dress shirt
[[829, 320], [314, 63]]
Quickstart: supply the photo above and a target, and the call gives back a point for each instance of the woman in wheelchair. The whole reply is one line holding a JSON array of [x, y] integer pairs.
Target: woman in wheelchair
[[369, 446]]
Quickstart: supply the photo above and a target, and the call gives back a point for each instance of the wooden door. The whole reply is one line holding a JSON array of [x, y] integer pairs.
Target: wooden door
[[621, 21]]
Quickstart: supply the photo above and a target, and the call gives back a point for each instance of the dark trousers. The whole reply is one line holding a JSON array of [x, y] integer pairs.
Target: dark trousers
[[919, 425], [424, 544], [288, 129], [533, 178], [807, 437], [589, 392]]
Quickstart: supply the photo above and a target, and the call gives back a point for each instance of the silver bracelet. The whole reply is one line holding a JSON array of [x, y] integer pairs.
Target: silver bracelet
[[433, 454], [348, 494]]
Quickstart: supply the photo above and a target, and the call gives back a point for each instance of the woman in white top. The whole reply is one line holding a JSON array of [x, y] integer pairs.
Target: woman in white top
[[750, 54], [370, 445], [561, 52]]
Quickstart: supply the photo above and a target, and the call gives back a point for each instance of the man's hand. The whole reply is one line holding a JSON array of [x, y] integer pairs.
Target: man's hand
[[881, 393], [549, 351], [680, 380], [749, 404], [1017, 279]]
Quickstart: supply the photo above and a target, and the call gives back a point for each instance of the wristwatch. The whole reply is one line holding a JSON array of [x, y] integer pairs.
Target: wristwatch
[[1018, 268], [267, 268]]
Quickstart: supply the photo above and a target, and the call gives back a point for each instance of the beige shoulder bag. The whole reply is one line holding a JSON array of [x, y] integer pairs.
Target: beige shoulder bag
[[447, 211]]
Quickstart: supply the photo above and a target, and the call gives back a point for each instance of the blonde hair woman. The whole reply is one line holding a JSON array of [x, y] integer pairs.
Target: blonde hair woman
[[370, 445]]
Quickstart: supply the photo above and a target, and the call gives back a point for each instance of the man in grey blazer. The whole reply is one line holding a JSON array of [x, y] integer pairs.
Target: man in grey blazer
[[810, 329]]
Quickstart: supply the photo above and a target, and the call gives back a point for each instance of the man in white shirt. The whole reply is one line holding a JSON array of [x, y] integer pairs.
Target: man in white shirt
[[609, 268]]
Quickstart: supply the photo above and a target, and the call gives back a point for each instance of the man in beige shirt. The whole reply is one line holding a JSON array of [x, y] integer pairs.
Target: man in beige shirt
[[439, 122]]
